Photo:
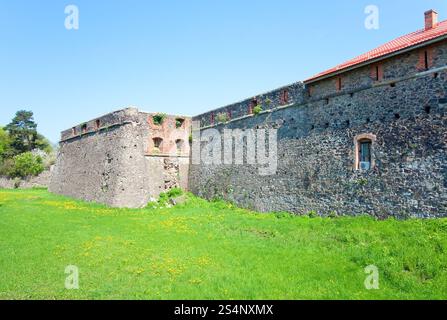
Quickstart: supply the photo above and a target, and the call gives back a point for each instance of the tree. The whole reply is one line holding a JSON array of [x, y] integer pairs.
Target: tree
[[5, 144], [23, 132], [26, 165]]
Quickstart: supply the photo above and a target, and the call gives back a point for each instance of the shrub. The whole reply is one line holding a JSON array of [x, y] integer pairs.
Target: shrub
[[257, 110], [25, 165], [159, 118], [179, 123], [222, 117], [164, 197]]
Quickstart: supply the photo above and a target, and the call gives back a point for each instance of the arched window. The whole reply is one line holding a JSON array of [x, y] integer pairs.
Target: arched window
[[157, 144], [364, 159], [179, 144]]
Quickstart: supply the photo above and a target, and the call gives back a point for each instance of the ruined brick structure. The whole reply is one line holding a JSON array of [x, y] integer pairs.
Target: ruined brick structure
[[123, 159], [368, 136]]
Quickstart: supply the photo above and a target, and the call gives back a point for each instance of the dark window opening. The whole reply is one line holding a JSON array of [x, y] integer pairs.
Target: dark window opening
[[179, 122], [435, 75], [326, 125], [179, 144], [326, 101], [157, 143], [351, 94], [365, 154], [392, 85], [212, 118], [368, 120], [98, 124], [397, 116], [339, 84], [426, 59], [348, 123], [427, 109], [84, 128], [285, 96]]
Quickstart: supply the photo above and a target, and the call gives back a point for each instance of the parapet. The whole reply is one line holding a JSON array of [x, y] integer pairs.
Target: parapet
[[110, 120]]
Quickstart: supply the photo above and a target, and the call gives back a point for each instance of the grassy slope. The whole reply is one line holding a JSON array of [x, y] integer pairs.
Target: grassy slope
[[210, 251]]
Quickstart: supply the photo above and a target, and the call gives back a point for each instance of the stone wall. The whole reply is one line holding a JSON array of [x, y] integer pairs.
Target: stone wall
[[41, 181], [110, 160], [405, 111]]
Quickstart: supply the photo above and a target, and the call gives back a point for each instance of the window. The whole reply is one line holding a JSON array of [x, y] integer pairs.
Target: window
[[426, 60], [252, 105], [98, 124], [365, 155], [212, 118], [84, 128], [179, 122], [339, 84], [74, 131], [285, 96], [157, 144], [364, 160], [179, 144]]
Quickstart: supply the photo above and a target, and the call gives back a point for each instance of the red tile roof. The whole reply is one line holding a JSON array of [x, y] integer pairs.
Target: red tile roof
[[396, 45]]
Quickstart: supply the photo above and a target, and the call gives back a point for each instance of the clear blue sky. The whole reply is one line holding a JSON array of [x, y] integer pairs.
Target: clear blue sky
[[182, 57]]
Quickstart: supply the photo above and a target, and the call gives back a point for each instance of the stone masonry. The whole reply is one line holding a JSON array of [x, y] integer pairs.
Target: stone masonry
[[395, 105]]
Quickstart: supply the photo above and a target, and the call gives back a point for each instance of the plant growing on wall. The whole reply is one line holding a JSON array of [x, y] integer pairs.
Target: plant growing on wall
[[257, 110], [179, 123], [268, 102], [159, 118], [222, 117]]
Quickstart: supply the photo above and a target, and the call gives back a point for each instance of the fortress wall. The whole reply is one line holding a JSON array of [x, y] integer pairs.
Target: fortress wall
[[112, 159], [105, 166], [294, 94], [316, 147]]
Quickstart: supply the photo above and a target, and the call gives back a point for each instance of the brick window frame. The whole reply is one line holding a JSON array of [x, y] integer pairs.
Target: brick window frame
[[284, 97], [358, 140], [377, 72], [157, 144], [426, 59], [339, 83]]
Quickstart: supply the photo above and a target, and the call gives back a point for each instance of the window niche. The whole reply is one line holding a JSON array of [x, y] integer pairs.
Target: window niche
[[364, 157], [158, 142], [179, 143]]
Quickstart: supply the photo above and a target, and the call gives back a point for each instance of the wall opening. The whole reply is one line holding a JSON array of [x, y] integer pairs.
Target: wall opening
[[157, 144], [179, 143], [364, 160], [285, 96], [98, 124], [74, 131], [84, 128], [179, 122]]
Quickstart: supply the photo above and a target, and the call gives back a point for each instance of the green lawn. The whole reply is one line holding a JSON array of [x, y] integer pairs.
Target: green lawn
[[203, 250]]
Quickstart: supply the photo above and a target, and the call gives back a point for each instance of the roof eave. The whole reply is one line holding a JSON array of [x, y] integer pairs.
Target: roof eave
[[360, 65]]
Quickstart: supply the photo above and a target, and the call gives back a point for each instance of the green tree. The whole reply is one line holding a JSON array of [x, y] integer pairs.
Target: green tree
[[5, 144], [23, 132], [26, 165]]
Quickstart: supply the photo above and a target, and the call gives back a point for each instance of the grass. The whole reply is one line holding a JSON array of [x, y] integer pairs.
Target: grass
[[203, 250]]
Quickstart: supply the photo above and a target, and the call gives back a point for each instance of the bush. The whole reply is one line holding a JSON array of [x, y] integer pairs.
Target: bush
[[25, 165], [222, 117], [257, 110], [159, 118]]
